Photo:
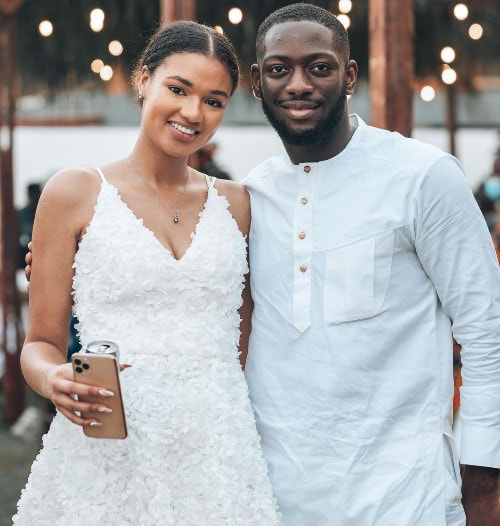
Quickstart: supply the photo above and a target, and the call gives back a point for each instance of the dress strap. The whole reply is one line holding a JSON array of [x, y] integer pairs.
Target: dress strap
[[210, 180], [101, 175]]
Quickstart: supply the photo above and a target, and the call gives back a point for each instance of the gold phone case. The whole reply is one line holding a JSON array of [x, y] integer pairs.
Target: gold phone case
[[101, 370]]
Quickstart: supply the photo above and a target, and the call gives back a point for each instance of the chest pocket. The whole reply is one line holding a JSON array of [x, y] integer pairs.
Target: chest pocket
[[357, 277]]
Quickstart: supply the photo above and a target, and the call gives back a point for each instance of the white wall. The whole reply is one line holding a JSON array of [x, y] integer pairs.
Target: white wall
[[39, 152]]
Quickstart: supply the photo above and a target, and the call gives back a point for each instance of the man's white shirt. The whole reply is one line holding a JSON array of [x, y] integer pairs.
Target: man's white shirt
[[358, 264]]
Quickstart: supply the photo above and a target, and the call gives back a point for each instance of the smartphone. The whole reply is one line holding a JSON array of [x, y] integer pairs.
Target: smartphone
[[101, 370]]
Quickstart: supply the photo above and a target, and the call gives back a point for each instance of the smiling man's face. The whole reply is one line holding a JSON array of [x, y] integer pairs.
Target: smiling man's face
[[302, 82]]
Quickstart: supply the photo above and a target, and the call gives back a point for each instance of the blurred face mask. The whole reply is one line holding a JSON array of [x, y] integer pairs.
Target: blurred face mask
[[492, 188]]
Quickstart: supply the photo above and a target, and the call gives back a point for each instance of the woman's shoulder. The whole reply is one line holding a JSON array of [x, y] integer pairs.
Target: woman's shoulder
[[72, 186]]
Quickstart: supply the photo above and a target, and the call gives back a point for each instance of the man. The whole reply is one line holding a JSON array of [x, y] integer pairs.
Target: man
[[367, 252]]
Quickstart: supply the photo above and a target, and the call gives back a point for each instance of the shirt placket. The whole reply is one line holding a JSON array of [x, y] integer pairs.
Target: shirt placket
[[302, 246]]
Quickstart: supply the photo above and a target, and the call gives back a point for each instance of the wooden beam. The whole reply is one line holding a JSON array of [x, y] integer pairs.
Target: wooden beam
[[391, 68], [10, 321], [172, 10]]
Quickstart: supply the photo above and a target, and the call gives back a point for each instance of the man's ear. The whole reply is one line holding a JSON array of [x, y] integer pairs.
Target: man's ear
[[255, 76], [351, 76]]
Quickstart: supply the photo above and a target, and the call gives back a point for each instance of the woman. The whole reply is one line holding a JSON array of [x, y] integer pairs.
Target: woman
[[159, 258]]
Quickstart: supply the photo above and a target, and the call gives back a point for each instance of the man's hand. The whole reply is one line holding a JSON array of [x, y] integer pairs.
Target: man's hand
[[481, 496], [28, 258]]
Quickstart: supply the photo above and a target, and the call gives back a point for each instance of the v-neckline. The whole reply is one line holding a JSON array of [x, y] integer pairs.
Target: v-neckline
[[155, 238]]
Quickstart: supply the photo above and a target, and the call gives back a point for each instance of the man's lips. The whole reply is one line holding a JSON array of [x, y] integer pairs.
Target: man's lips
[[299, 109]]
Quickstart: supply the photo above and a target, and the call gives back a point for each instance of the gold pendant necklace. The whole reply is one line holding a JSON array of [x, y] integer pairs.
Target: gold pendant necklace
[[175, 215]]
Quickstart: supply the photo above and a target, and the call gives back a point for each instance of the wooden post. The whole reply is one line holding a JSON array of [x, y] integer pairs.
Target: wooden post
[[391, 68], [451, 119], [10, 322], [172, 10]]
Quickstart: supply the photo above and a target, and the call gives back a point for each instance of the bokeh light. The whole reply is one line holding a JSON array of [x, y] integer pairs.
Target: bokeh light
[[476, 31], [96, 65], [115, 48], [461, 11], [106, 73], [46, 28], [449, 75], [427, 93], [344, 20], [235, 15], [345, 6], [448, 54]]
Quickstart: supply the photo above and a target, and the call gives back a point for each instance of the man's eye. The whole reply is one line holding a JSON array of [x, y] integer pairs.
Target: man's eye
[[176, 90], [277, 69], [321, 67]]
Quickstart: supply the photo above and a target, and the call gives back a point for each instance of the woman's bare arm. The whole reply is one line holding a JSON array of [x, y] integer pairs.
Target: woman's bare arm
[[63, 212]]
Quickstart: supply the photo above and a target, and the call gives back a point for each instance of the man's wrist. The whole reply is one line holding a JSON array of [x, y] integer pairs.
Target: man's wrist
[[479, 480]]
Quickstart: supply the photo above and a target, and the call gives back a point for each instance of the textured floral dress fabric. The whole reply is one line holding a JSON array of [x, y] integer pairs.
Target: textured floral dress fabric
[[192, 456]]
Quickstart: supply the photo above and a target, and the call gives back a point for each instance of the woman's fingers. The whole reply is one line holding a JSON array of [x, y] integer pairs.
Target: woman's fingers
[[73, 405], [78, 420]]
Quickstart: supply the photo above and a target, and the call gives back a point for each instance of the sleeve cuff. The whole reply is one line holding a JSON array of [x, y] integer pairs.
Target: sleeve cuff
[[480, 446]]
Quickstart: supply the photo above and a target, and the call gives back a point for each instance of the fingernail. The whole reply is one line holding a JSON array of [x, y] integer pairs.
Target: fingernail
[[105, 392], [104, 410], [95, 424]]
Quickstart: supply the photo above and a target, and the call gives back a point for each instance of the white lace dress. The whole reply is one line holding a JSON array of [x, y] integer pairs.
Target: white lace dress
[[193, 454]]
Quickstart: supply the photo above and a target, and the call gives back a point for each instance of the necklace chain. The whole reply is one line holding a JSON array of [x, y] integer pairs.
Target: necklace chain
[[156, 195]]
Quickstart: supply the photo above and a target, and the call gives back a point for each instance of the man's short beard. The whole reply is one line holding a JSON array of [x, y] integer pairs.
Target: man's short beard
[[319, 134]]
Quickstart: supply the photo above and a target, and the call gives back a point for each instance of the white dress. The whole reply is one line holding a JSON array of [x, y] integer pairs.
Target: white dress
[[193, 455]]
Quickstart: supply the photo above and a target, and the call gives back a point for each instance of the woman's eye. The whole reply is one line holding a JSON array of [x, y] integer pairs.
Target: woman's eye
[[214, 103], [176, 90]]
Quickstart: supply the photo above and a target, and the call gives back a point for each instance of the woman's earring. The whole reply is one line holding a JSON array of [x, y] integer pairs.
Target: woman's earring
[[141, 97]]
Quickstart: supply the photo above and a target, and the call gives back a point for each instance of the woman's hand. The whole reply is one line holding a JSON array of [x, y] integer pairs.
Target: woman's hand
[[62, 389]]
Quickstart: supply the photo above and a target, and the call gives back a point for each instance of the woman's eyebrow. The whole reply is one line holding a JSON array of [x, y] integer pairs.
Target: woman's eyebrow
[[190, 85]]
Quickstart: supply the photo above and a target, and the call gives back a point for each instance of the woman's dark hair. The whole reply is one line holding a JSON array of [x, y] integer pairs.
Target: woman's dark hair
[[188, 37]]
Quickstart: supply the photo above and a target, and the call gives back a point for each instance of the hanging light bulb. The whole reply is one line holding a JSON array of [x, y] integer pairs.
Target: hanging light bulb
[[235, 15], [461, 11], [476, 31], [448, 75], [427, 93], [345, 6], [96, 65], [45, 28], [448, 54], [344, 20], [115, 48], [106, 73]]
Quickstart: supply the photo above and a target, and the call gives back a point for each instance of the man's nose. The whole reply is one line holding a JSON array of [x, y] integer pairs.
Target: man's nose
[[299, 83]]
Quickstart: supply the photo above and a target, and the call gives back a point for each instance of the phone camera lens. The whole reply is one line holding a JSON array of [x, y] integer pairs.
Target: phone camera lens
[[79, 370], [86, 366], [78, 361]]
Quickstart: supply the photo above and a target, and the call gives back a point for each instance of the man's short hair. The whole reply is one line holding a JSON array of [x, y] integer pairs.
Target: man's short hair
[[298, 13]]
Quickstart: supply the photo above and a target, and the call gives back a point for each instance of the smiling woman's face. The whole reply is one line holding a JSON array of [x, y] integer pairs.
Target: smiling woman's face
[[303, 80], [184, 102]]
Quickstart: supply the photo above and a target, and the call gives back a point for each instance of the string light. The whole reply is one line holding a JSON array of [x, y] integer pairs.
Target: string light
[[235, 15], [448, 75], [344, 20], [427, 93], [448, 54], [96, 65], [461, 11], [115, 48], [219, 29], [46, 28], [97, 20], [476, 31], [106, 73], [345, 6]]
